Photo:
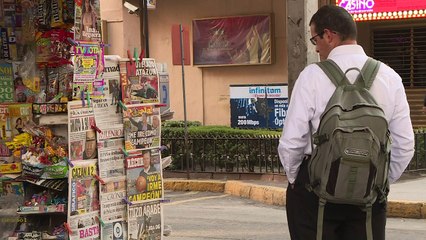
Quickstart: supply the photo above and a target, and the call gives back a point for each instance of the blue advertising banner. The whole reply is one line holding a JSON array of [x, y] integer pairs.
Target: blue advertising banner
[[258, 106]]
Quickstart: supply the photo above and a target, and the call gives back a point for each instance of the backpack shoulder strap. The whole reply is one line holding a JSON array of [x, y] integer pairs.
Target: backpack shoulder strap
[[333, 72], [368, 73]]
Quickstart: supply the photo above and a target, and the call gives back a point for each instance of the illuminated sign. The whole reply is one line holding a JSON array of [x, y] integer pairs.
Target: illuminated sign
[[363, 10]]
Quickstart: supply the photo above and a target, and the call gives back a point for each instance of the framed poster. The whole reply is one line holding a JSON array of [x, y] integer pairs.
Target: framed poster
[[239, 40], [258, 105]]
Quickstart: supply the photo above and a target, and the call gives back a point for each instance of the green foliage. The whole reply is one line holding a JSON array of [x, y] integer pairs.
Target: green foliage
[[180, 124], [175, 129]]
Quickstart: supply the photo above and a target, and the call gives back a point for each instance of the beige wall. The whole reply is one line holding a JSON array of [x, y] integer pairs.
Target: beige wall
[[122, 28], [207, 89]]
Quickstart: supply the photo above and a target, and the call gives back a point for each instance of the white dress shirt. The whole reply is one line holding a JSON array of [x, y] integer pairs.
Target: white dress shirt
[[310, 96]]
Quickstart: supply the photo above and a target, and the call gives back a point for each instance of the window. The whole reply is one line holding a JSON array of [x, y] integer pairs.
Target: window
[[403, 49]]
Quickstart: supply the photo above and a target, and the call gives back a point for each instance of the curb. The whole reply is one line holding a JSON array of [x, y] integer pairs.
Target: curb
[[276, 196]]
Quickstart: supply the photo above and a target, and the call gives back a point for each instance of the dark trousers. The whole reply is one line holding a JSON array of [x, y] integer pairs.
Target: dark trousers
[[341, 221]]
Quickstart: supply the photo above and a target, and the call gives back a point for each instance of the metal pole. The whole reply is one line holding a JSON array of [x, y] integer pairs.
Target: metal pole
[[184, 100], [144, 26]]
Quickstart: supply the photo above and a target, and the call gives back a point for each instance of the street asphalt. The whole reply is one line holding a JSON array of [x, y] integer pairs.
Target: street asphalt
[[407, 197]]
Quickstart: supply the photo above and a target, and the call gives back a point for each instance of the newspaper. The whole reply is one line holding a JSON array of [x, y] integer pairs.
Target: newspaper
[[107, 112], [85, 226], [144, 176], [114, 230], [114, 189], [111, 76], [145, 221], [81, 135], [141, 82], [87, 25], [142, 126], [110, 151]]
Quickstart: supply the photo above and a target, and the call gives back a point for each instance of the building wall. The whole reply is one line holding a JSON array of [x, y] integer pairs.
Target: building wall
[[207, 89], [122, 28]]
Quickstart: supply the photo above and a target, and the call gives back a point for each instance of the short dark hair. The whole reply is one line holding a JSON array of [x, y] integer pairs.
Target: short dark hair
[[335, 19]]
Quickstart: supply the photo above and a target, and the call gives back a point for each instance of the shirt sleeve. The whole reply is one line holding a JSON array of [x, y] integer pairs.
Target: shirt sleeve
[[400, 127], [296, 133]]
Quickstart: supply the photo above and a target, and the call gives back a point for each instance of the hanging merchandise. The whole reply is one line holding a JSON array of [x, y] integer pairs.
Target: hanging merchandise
[[87, 25], [144, 176], [81, 135], [111, 76], [142, 126], [111, 156], [145, 221], [6, 82], [88, 66], [83, 207], [112, 178], [139, 81]]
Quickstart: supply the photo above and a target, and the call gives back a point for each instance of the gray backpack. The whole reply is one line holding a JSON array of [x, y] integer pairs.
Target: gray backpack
[[350, 163]]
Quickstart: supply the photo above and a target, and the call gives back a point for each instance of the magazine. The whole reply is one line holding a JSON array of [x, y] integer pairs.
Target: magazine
[[20, 115], [6, 82], [88, 66], [141, 82], [142, 126], [5, 153], [87, 25], [83, 189], [145, 221], [81, 135], [144, 176]]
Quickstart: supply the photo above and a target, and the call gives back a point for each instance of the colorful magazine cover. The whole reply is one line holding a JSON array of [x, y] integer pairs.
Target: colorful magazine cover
[[144, 176], [141, 82], [145, 221], [6, 82], [83, 189], [81, 135], [142, 127], [88, 66], [26, 87], [5, 153], [87, 25], [20, 115]]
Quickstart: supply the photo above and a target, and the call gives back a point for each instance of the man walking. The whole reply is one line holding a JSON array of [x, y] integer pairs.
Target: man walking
[[334, 34]]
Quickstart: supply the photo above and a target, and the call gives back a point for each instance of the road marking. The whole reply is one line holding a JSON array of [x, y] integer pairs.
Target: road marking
[[196, 199]]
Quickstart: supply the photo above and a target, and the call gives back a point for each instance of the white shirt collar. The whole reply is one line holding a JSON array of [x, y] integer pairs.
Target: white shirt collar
[[345, 50]]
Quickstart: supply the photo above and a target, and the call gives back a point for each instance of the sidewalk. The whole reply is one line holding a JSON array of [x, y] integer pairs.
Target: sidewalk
[[407, 197]]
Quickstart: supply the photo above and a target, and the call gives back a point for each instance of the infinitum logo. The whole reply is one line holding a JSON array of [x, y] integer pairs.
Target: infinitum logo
[[261, 90], [357, 5]]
